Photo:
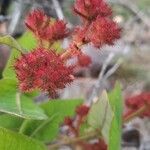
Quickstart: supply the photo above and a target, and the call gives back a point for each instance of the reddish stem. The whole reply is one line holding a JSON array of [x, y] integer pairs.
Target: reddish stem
[[132, 114]]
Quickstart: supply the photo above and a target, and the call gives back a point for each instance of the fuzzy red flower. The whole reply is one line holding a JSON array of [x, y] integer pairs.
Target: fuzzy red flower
[[55, 31], [103, 31], [84, 60], [43, 70], [136, 102], [36, 20], [42, 26], [90, 9], [82, 110]]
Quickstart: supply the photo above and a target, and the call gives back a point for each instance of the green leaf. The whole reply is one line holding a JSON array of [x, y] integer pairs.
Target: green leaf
[[100, 116], [28, 42], [116, 102], [47, 130], [57, 46], [13, 141], [8, 103], [10, 122], [42, 130], [63, 107], [10, 41]]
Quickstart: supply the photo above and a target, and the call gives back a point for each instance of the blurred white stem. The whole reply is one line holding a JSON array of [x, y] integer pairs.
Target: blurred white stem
[[15, 16], [98, 85], [104, 67], [113, 69], [58, 9]]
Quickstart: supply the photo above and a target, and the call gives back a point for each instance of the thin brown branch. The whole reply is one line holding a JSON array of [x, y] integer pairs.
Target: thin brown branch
[[135, 114]]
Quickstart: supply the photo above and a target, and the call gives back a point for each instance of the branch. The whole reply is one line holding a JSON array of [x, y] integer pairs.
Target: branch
[[105, 65], [58, 9], [15, 16], [135, 114], [97, 86], [113, 69]]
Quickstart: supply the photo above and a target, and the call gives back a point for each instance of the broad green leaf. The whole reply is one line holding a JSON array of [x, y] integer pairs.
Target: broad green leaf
[[100, 116], [10, 41], [28, 42], [10, 140], [42, 130], [63, 107], [47, 130], [10, 122], [8, 103], [115, 98]]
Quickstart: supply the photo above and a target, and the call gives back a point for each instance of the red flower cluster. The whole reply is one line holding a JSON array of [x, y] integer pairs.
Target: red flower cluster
[[136, 102], [98, 28], [44, 28], [42, 69], [45, 69], [90, 9]]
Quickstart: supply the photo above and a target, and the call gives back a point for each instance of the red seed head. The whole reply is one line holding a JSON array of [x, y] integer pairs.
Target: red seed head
[[103, 31], [42, 69], [90, 9], [42, 26], [36, 20], [55, 31]]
